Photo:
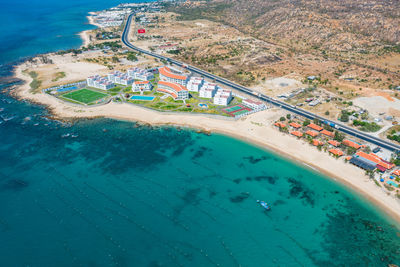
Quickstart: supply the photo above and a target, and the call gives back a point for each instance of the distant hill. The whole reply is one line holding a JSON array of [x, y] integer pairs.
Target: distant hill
[[332, 25]]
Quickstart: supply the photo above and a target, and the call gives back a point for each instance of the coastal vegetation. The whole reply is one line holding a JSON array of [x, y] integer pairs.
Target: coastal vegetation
[[35, 83]]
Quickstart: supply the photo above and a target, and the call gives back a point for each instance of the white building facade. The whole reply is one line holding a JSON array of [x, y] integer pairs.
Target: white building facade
[[140, 74], [140, 86], [99, 82], [177, 91], [195, 84], [167, 75], [222, 97], [208, 90], [254, 105]]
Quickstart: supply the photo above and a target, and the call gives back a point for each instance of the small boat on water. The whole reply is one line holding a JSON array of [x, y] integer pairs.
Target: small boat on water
[[264, 204]]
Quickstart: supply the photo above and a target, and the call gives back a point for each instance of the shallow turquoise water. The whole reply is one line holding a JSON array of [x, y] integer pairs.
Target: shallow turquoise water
[[115, 193], [110, 193]]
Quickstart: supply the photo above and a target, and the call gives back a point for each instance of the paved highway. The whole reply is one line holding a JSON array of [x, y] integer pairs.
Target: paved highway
[[344, 128]]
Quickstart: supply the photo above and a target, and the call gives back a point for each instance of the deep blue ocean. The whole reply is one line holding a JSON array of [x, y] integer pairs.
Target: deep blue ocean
[[115, 193]]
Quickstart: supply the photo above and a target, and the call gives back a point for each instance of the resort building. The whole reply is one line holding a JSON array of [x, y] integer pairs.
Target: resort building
[[140, 74], [351, 144], [222, 97], [327, 133], [295, 125], [280, 124], [254, 105], [168, 75], [99, 82], [315, 127], [297, 134], [141, 86], [194, 84], [120, 78], [316, 142], [336, 152], [370, 161], [312, 133], [208, 90], [177, 91], [334, 143]]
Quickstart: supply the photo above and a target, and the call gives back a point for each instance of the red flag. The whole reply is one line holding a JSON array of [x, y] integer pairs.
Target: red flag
[[141, 31]]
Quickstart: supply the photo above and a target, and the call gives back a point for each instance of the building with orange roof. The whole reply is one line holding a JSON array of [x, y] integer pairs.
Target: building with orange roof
[[315, 127], [312, 133], [280, 124], [351, 144], [316, 142], [140, 86], [168, 75], [371, 161], [327, 133], [334, 143], [297, 133], [336, 152], [396, 172], [295, 125], [177, 91]]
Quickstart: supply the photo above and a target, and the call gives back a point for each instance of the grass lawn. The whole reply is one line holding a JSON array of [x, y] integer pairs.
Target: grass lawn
[[85, 96]]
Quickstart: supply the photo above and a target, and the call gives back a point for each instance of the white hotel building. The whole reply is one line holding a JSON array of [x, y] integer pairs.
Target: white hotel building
[[140, 74], [194, 84], [167, 75], [120, 78], [141, 86], [177, 91], [254, 105], [99, 82], [208, 90], [222, 97]]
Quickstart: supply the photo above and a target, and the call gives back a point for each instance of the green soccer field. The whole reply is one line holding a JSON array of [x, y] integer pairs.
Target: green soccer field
[[85, 96]]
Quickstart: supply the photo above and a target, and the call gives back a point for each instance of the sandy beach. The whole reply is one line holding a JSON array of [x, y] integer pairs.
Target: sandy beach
[[256, 129], [85, 36]]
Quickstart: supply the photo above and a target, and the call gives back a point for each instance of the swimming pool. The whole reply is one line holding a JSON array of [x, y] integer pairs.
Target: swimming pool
[[392, 183], [142, 97], [203, 105]]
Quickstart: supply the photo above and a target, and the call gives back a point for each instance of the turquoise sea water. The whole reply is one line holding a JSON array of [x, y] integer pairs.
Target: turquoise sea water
[[110, 193]]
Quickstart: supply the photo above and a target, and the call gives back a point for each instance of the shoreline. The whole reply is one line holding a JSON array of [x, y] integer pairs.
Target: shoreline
[[265, 137], [84, 35]]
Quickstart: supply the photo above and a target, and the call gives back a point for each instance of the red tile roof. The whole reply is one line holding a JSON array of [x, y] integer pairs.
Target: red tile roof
[[316, 142], [336, 152], [334, 143], [351, 144], [396, 172], [280, 124], [168, 73], [168, 92], [141, 82], [328, 133], [174, 86], [315, 127], [312, 133], [297, 133], [376, 159], [295, 125]]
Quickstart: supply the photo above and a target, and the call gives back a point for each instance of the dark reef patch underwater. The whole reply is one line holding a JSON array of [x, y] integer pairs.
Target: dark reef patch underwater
[[112, 193]]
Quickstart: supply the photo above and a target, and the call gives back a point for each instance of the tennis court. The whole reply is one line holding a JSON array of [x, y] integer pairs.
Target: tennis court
[[233, 109], [240, 112], [85, 96]]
